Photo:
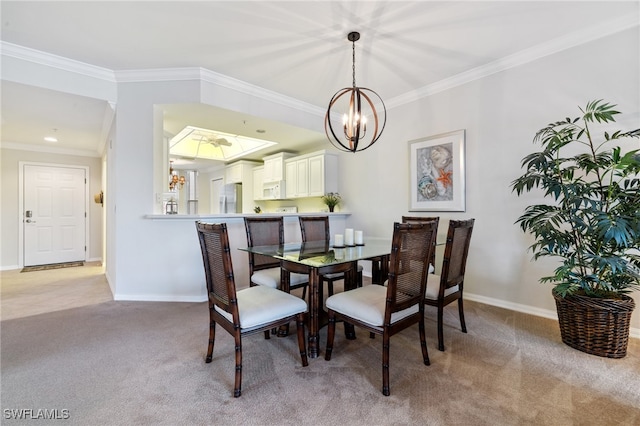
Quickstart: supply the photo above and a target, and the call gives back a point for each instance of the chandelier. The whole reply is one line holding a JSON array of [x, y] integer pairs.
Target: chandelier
[[175, 181], [357, 107]]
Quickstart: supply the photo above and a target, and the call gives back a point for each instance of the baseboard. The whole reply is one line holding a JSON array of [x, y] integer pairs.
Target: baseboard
[[545, 313], [158, 298], [9, 268]]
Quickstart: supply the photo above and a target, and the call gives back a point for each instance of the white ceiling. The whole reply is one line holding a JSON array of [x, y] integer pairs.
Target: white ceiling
[[294, 48]]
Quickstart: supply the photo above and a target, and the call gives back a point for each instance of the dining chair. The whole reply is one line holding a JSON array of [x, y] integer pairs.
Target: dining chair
[[265, 270], [376, 266], [420, 219], [316, 228], [250, 310], [389, 309], [448, 286]]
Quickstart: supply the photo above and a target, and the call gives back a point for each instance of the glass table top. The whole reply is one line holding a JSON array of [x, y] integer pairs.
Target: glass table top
[[320, 253]]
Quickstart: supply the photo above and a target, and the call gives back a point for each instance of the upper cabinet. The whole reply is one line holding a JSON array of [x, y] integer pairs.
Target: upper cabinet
[[274, 167], [311, 175], [297, 177], [233, 173]]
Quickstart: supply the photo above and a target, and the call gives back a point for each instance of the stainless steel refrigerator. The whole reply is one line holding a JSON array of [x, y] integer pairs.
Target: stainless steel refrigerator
[[231, 198]]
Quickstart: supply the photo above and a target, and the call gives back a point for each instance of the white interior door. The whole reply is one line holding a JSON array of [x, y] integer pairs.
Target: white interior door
[[54, 214]]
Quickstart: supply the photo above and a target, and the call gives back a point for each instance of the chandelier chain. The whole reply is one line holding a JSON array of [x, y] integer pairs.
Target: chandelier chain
[[353, 67]]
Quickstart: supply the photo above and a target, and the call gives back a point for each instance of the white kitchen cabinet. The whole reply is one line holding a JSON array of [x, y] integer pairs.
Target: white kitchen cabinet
[[274, 167], [257, 183], [311, 175], [242, 172], [233, 173], [297, 177]]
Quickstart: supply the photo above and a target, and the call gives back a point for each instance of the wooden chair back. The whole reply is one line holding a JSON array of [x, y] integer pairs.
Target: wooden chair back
[[454, 262], [421, 219], [216, 255], [411, 249], [314, 228], [263, 231]]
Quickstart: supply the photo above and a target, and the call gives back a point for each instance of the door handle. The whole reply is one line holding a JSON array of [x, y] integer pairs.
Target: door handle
[[30, 221]]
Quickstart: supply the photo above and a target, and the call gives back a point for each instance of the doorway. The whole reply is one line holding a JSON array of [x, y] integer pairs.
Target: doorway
[[53, 217]]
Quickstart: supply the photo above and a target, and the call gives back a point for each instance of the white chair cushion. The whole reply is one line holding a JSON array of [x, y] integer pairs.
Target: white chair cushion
[[297, 279], [271, 278], [261, 304], [339, 275], [366, 304], [433, 287], [431, 269], [267, 277]]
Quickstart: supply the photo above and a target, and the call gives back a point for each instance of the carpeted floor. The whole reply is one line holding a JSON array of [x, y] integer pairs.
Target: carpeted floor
[[141, 363]]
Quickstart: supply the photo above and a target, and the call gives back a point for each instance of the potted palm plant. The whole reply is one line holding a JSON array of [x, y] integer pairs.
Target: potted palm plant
[[591, 223]]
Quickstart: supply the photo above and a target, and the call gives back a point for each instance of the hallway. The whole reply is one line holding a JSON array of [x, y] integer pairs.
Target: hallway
[[24, 294]]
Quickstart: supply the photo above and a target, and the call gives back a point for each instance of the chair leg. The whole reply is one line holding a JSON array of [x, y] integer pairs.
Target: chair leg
[[267, 334], [440, 328], [385, 363], [359, 279], [237, 390], [301, 342], [423, 341], [212, 338], [331, 331], [461, 312]]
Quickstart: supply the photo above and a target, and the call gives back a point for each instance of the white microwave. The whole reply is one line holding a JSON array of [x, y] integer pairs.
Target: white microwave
[[273, 190]]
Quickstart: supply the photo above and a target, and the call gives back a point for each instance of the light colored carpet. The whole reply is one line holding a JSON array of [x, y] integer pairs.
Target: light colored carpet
[[38, 292], [140, 363]]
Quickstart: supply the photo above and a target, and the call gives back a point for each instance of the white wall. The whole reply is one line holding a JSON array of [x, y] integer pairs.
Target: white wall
[[12, 218], [501, 114], [160, 259]]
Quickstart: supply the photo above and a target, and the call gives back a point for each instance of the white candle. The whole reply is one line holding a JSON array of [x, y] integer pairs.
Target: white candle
[[359, 238], [339, 240], [348, 236]]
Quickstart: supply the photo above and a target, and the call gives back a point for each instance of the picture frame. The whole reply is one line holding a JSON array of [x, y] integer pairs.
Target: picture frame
[[437, 173]]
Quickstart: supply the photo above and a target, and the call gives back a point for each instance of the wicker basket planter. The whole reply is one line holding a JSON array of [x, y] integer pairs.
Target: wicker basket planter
[[595, 326]]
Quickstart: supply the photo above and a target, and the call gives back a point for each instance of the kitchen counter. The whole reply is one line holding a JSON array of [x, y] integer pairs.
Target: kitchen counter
[[237, 216]]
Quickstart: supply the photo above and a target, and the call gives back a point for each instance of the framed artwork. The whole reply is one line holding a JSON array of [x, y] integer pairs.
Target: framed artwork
[[436, 173]]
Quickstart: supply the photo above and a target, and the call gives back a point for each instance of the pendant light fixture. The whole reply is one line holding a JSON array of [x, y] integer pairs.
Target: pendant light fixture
[[361, 124]]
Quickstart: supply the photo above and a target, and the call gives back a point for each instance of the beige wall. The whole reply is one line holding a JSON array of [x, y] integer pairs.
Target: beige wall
[[11, 217]]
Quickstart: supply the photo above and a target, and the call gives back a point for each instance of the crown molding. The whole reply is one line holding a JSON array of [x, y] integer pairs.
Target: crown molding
[[260, 92], [48, 149], [158, 75], [559, 44], [202, 74], [55, 61]]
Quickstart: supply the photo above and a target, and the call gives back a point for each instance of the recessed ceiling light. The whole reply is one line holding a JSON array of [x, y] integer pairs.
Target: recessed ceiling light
[[50, 139]]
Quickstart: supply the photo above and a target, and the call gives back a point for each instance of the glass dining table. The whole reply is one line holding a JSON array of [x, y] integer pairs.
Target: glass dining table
[[317, 258]]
